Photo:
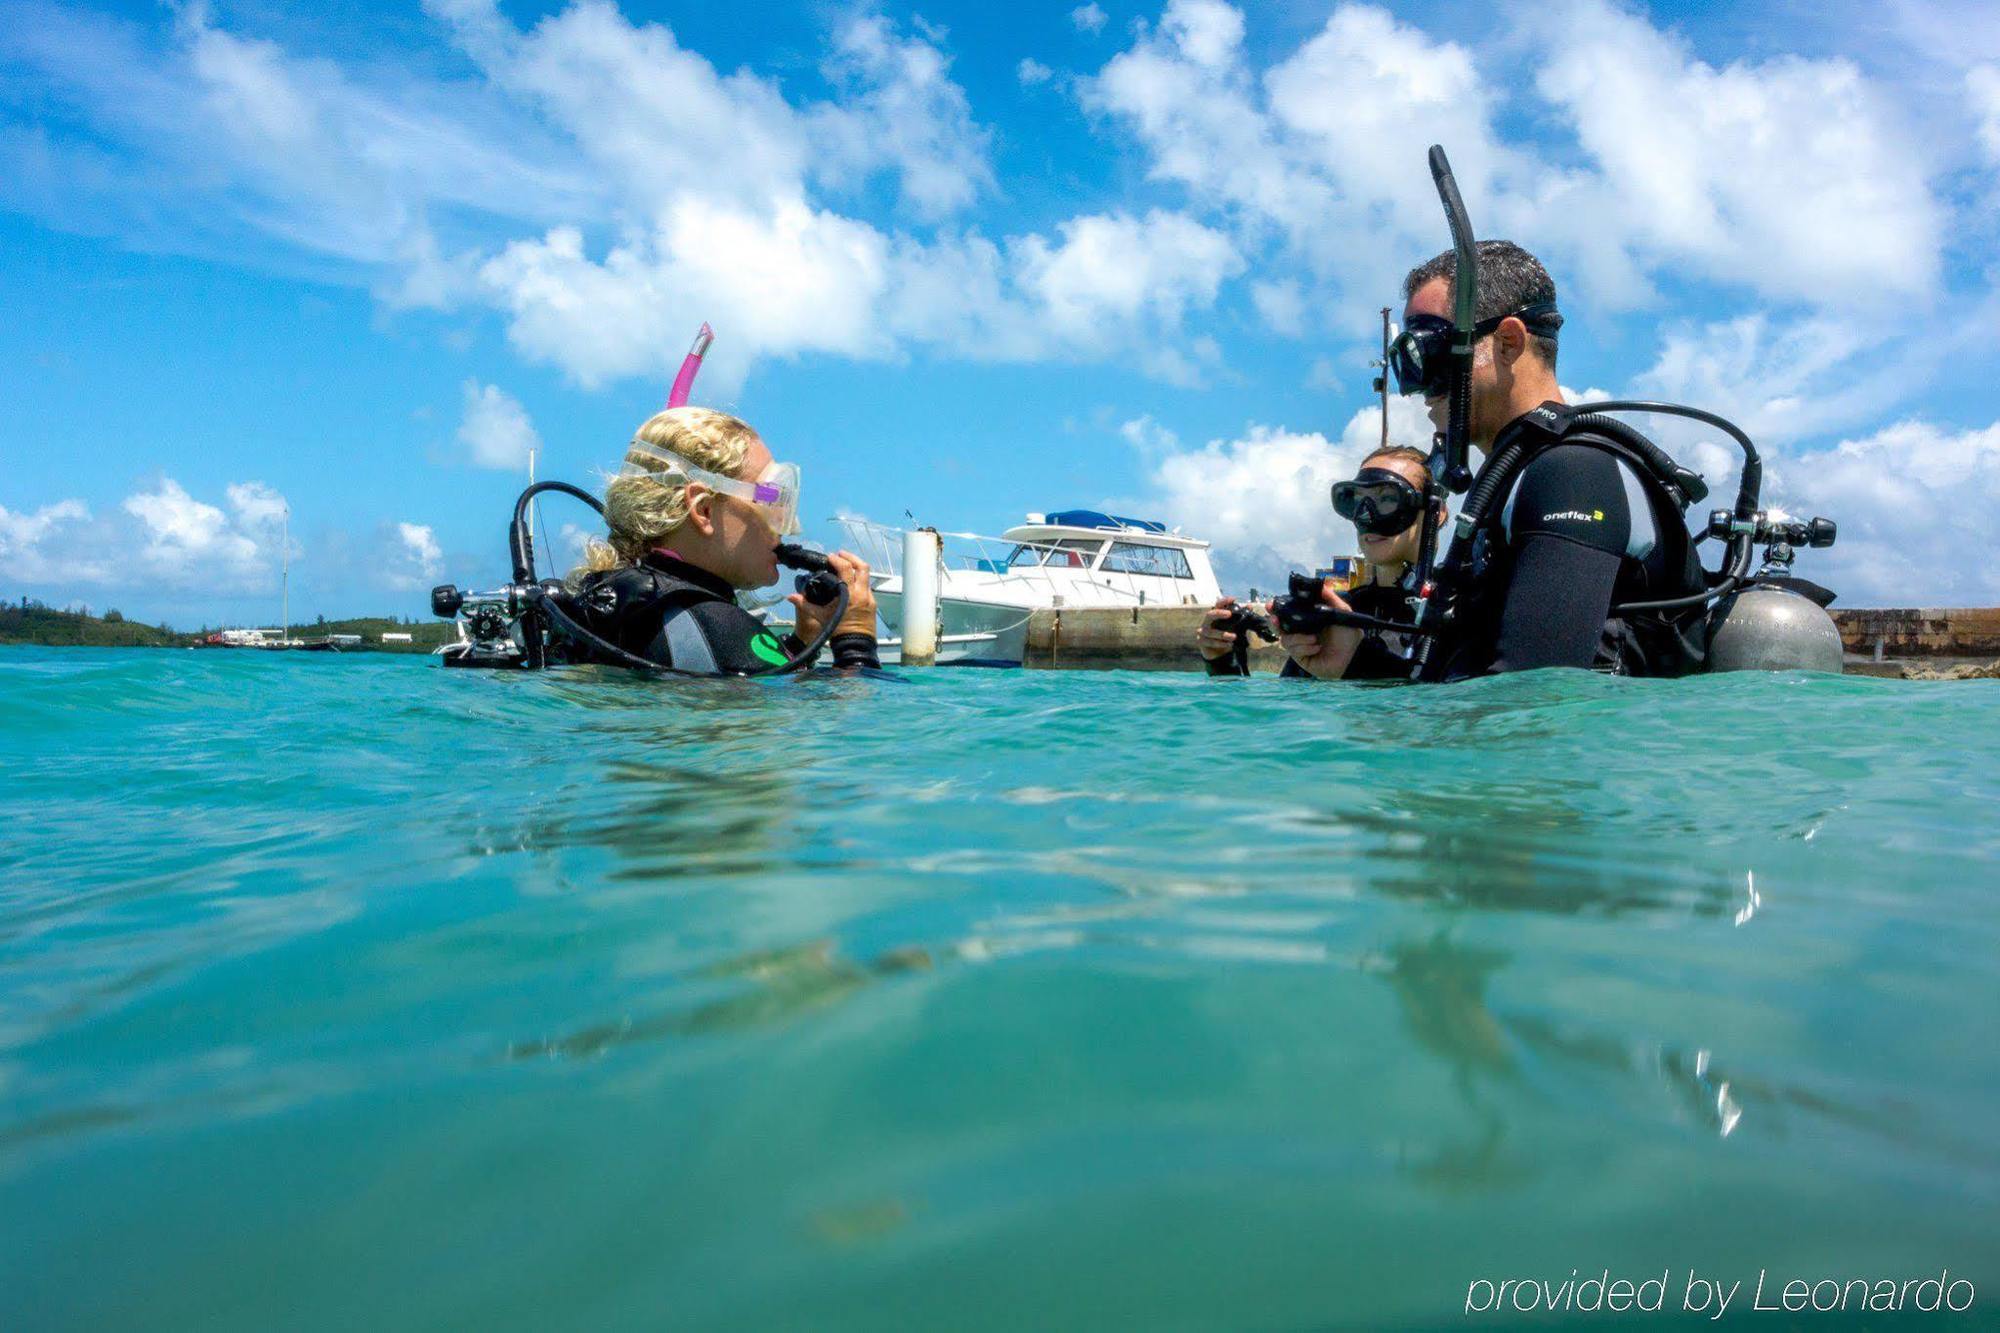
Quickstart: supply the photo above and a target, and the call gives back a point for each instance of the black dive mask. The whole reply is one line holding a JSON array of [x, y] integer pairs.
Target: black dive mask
[[1378, 501], [1420, 357]]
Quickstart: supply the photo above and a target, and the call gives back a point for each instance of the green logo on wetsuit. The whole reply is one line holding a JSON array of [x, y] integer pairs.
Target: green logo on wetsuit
[[768, 649]]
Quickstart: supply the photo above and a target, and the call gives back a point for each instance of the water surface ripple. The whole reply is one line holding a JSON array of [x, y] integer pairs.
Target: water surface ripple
[[350, 990]]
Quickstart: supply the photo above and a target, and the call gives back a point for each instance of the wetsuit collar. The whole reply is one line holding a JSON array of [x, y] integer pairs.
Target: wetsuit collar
[[1551, 418], [695, 574]]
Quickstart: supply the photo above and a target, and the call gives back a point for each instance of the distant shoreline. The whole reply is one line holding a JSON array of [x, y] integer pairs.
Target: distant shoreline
[[29, 623]]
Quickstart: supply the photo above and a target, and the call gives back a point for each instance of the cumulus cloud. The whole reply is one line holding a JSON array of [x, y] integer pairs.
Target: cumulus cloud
[[1982, 88], [1032, 72], [1914, 502], [1790, 178], [412, 558], [181, 542], [1281, 305], [606, 187], [495, 430], [164, 542], [1794, 178], [41, 547]]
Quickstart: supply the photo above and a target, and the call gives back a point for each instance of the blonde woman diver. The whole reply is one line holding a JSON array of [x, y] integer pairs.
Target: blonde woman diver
[[695, 514]]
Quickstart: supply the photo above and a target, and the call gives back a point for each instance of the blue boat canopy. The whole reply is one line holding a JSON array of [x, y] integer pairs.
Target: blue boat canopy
[[1090, 518]]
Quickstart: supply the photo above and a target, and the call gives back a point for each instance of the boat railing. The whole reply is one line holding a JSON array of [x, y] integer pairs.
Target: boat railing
[[882, 547]]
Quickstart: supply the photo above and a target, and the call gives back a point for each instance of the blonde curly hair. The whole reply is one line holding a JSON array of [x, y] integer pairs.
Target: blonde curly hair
[[642, 510]]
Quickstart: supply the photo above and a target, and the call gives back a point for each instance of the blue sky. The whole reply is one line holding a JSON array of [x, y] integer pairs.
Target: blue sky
[[962, 260]]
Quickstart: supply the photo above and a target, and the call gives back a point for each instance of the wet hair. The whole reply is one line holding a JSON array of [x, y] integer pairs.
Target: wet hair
[[642, 510], [1510, 279], [1407, 453]]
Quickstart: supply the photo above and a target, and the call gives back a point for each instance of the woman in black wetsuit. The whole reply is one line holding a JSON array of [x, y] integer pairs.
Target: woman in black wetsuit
[[1389, 481], [695, 515]]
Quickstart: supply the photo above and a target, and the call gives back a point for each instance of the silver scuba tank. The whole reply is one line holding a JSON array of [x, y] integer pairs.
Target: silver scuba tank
[[1767, 628]]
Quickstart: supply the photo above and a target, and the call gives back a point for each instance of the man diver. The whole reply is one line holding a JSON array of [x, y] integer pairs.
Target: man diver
[[1588, 525], [695, 514]]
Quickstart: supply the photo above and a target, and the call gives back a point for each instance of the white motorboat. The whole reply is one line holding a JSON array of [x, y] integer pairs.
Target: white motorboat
[[988, 587]]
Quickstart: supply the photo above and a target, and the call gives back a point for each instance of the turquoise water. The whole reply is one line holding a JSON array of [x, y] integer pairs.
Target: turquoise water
[[338, 992]]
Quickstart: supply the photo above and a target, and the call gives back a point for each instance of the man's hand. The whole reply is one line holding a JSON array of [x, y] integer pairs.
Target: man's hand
[[852, 570], [1216, 643], [1327, 653]]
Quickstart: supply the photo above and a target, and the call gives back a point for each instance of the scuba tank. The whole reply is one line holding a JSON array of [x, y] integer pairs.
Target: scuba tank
[[1777, 622]]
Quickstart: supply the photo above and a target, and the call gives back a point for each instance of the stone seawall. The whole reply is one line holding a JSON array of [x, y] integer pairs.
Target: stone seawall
[[1161, 638], [1927, 632], [1148, 638]]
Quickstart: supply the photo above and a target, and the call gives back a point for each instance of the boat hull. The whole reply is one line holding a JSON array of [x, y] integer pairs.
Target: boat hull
[[969, 633]]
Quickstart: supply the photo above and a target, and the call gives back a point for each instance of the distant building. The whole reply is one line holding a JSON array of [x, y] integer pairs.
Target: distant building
[[344, 640], [393, 638]]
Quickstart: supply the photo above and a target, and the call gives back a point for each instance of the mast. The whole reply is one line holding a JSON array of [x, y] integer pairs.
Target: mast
[[1382, 381], [285, 580]]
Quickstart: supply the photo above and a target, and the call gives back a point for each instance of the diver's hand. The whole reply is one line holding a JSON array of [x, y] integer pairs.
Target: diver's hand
[[1216, 643], [1327, 653], [852, 570]]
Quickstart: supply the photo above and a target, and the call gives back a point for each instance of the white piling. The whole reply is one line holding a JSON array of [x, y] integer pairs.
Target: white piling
[[921, 561]]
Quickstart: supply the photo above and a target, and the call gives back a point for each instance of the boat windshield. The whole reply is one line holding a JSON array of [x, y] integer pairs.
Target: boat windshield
[[1069, 553], [1158, 561]]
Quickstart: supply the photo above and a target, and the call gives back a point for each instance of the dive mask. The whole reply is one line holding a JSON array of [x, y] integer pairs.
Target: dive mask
[[1378, 501], [1420, 358], [777, 488]]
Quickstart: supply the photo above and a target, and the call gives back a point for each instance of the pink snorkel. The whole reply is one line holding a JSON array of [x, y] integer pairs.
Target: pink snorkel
[[684, 382]]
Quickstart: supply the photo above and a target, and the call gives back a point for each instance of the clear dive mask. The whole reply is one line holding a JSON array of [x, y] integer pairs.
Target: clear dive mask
[[776, 488]]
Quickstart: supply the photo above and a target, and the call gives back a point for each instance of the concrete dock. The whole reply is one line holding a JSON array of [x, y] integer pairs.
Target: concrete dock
[[1161, 638]]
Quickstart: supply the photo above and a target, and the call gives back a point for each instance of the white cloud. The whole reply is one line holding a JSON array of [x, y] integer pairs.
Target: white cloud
[[1087, 18], [1208, 32], [1982, 88], [1117, 267], [495, 430], [1281, 305], [164, 543], [413, 558], [183, 542], [1795, 179], [1032, 72], [40, 548], [1915, 503], [903, 113]]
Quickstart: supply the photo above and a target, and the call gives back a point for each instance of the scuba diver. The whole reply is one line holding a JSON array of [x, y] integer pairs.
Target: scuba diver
[[1385, 501], [1587, 525], [697, 513], [1570, 547]]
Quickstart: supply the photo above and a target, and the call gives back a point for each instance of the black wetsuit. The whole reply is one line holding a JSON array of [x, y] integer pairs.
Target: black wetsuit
[[668, 611], [1376, 659], [1586, 528]]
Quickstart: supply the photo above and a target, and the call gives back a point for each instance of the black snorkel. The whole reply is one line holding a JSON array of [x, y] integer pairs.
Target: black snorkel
[[541, 603], [1451, 468]]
